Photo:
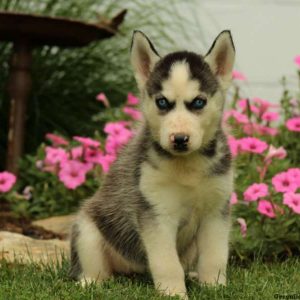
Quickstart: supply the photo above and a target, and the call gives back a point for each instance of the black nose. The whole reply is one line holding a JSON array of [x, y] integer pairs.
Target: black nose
[[180, 142]]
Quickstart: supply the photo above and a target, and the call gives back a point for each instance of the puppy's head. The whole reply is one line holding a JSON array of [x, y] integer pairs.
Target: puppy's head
[[183, 92]]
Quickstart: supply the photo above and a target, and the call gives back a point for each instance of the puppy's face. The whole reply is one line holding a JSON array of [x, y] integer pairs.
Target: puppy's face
[[182, 93]]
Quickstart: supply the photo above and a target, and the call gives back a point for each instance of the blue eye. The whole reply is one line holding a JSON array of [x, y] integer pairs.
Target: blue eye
[[198, 103], [163, 103]]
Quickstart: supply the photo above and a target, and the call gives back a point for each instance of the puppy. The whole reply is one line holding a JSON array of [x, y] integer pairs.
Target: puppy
[[164, 205]]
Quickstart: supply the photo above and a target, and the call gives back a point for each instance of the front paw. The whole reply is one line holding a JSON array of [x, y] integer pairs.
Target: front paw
[[213, 279], [173, 293], [173, 290]]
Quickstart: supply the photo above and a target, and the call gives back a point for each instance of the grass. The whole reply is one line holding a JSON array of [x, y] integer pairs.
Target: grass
[[256, 281]]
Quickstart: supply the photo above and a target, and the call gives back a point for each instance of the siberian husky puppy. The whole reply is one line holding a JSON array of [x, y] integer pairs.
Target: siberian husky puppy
[[164, 205]]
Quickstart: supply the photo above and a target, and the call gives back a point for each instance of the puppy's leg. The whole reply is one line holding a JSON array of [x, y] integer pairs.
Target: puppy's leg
[[213, 250], [90, 247], [160, 243]]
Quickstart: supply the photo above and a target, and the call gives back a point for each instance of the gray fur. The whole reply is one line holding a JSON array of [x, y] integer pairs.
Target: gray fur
[[119, 208], [198, 67]]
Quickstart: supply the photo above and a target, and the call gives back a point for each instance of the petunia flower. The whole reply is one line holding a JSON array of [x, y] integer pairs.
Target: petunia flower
[[102, 98], [55, 155], [105, 161], [239, 117], [270, 116], [7, 181], [233, 199], [77, 152], [297, 60], [294, 174], [92, 155], [132, 100], [234, 145], [243, 226], [283, 182], [292, 200], [87, 142], [72, 174], [265, 208], [273, 152], [237, 75], [243, 104], [293, 124], [132, 112], [254, 145], [256, 191], [56, 140]]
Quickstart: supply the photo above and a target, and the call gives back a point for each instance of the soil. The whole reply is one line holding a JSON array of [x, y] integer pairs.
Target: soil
[[22, 225]]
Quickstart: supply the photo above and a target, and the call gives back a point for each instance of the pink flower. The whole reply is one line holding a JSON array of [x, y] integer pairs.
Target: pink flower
[[111, 145], [243, 226], [72, 174], [7, 181], [292, 200], [234, 145], [77, 152], [92, 155], [132, 112], [254, 145], [239, 117], [243, 103], [293, 124], [273, 152], [87, 142], [55, 155], [238, 75], [263, 105], [256, 191], [119, 135], [284, 182], [105, 161], [132, 100], [233, 199], [114, 128], [294, 174], [297, 60], [56, 140], [264, 130], [102, 98], [265, 208], [270, 116]]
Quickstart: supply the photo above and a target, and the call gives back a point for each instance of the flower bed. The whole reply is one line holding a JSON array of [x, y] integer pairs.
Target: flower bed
[[263, 138]]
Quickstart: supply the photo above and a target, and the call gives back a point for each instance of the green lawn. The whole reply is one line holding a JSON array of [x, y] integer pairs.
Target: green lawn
[[256, 281]]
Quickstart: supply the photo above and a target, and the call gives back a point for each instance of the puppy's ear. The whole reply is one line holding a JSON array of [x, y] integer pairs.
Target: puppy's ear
[[220, 58], [143, 57]]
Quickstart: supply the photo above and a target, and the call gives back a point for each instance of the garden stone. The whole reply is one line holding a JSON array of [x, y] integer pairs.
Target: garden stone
[[60, 225], [20, 248]]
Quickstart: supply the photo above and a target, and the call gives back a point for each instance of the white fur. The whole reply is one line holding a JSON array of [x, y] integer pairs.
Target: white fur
[[183, 192], [91, 252]]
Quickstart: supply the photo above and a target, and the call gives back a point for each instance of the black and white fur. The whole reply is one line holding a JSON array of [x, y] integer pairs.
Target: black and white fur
[[162, 209]]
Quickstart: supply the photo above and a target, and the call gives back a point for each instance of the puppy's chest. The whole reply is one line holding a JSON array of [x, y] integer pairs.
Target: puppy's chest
[[177, 191]]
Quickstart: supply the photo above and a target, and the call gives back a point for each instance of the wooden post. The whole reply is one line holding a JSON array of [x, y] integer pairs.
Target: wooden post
[[19, 87]]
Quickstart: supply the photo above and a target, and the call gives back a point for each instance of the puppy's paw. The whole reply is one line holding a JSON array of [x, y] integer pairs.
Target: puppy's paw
[[213, 280], [175, 291], [86, 281]]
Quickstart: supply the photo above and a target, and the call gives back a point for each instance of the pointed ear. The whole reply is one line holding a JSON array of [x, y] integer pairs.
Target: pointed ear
[[220, 58], [143, 57]]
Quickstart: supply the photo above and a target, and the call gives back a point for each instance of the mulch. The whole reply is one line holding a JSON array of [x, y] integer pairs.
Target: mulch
[[10, 222]]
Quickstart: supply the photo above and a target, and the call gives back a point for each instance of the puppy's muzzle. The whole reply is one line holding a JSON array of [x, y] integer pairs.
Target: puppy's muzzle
[[180, 141]]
